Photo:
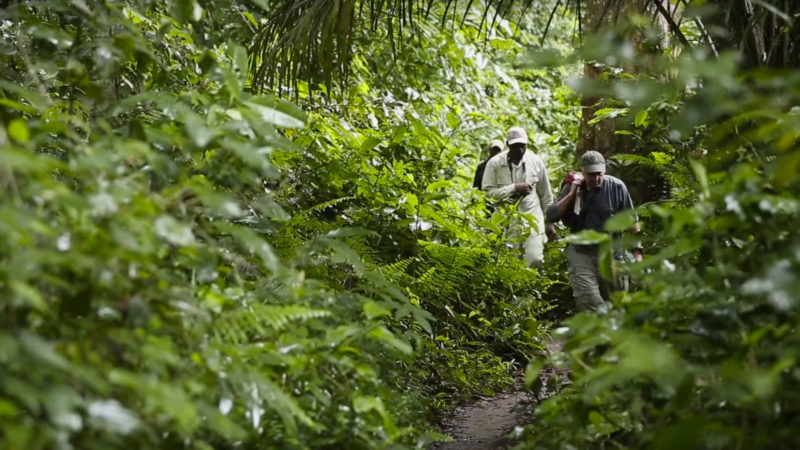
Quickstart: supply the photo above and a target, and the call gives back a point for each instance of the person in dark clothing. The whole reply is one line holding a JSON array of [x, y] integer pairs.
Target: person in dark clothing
[[591, 198], [495, 147]]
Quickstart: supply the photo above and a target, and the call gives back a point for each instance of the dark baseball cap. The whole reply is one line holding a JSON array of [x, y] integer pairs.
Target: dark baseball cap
[[593, 161]]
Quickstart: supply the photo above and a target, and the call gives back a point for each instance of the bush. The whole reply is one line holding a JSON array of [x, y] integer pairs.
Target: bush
[[703, 354]]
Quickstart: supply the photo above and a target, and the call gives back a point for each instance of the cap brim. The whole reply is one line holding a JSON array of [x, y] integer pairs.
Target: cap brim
[[518, 141], [595, 168]]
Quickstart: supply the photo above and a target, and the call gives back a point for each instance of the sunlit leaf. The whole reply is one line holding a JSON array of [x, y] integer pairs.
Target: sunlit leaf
[[18, 130]]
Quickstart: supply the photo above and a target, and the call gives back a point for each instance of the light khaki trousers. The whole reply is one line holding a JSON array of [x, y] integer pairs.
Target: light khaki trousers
[[533, 249]]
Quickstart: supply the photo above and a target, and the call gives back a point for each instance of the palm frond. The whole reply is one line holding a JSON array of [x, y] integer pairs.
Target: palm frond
[[303, 39], [312, 40]]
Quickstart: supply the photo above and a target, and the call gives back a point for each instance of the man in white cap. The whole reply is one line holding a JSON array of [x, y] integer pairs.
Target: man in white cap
[[591, 198], [494, 147], [519, 175]]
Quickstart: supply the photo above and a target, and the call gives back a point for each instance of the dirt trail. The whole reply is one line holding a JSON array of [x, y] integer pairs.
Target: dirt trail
[[486, 424]]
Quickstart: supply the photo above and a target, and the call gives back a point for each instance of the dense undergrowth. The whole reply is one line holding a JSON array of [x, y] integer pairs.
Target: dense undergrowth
[[187, 263], [191, 262], [704, 353]]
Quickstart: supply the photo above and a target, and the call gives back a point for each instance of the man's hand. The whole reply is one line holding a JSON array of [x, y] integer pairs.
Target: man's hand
[[637, 251], [523, 188], [550, 231], [577, 180]]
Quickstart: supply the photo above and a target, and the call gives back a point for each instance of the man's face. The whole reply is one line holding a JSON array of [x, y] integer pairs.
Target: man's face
[[593, 179], [493, 151], [517, 149]]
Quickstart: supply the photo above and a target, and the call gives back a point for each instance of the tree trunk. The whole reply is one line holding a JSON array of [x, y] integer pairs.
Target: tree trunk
[[644, 183], [762, 37], [599, 14]]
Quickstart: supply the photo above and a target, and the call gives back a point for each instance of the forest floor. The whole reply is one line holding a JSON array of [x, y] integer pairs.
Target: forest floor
[[488, 423]]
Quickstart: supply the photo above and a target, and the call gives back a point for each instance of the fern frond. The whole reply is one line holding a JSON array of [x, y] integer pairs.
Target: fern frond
[[280, 316], [324, 205], [274, 397], [242, 324], [398, 271]]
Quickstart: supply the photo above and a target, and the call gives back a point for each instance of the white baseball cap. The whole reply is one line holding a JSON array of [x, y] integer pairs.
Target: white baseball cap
[[516, 135], [495, 143]]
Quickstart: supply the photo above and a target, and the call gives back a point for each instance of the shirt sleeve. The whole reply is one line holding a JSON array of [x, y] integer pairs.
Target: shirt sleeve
[[476, 182], [627, 203], [491, 183], [543, 188], [626, 200], [551, 213]]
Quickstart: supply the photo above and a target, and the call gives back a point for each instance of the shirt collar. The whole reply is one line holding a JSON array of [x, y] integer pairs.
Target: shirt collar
[[522, 160]]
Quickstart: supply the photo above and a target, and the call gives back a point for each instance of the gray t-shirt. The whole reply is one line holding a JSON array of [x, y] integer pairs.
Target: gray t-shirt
[[597, 206]]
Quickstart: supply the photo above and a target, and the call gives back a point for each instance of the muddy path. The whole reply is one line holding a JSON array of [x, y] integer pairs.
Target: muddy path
[[488, 423]]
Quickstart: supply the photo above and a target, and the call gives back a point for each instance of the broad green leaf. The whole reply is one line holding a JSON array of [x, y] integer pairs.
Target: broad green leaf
[[587, 237], [412, 201], [340, 253], [274, 116], [607, 113], [197, 130], [256, 157], [350, 232], [621, 221], [240, 61], [29, 295], [17, 105], [252, 242], [383, 334], [702, 176], [18, 130], [185, 10], [270, 208], [111, 416], [81, 5], [373, 310], [363, 404], [52, 35], [173, 231], [22, 93], [370, 143], [233, 83], [641, 118]]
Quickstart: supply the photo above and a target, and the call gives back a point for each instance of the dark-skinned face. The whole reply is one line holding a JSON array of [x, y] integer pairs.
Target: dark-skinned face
[[593, 179], [515, 151], [493, 151]]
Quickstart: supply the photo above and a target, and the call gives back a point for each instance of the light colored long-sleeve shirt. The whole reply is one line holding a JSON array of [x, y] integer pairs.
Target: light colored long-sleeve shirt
[[501, 175]]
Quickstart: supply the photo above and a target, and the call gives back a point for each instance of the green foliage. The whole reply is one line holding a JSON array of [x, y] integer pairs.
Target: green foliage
[[398, 163], [703, 354], [185, 265], [301, 44], [144, 301]]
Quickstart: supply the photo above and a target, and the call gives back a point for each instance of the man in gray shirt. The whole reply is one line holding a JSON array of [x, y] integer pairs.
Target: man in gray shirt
[[590, 199]]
